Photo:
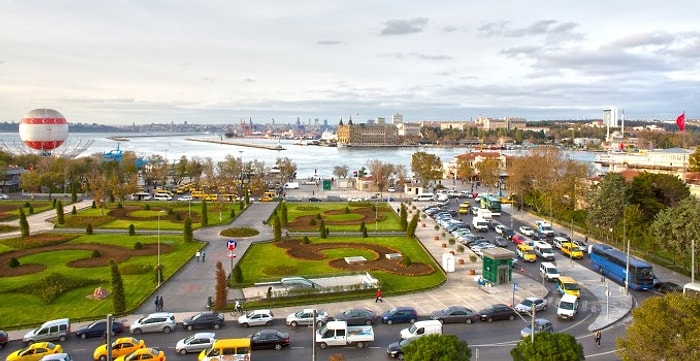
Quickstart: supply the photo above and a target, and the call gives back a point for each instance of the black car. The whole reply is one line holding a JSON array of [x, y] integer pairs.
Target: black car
[[99, 329], [357, 316], [395, 350], [499, 242], [497, 312], [206, 319], [563, 235], [314, 199], [667, 287], [269, 338], [3, 339], [508, 233]]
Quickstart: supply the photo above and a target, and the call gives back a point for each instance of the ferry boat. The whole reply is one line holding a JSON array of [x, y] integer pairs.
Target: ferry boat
[[672, 160]]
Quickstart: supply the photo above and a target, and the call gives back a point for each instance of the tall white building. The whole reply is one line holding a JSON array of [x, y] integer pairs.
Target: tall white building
[[396, 119]]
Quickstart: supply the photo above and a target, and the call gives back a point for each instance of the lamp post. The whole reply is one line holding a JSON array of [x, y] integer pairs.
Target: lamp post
[[159, 270]]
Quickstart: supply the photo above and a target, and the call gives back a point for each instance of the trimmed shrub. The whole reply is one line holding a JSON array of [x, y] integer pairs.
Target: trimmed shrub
[[14, 262], [73, 211], [138, 245], [406, 260], [147, 207], [88, 229], [95, 254], [132, 229], [306, 240]]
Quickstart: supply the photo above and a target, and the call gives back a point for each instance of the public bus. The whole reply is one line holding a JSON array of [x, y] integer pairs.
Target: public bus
[[692, 289], [612, 263], [491, 203]]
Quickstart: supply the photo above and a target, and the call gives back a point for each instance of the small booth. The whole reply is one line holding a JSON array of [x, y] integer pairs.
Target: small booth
[[497, 265]]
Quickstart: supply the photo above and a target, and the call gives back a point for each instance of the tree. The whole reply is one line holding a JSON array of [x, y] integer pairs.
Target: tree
[[605, 203], [341, 171], [674, 231], [381, 172], [426, 167], [23, 223], [437, 348], [323, 232], [403, 215], [556, 346], [284, 218], [489, 172], [204, 217], [411, 229], [464, 169], [221, 290], [277, 228], [288, 170], [663, 328], [187, 230], [118, 296], [654, 192], [60, 216], [694, 161]]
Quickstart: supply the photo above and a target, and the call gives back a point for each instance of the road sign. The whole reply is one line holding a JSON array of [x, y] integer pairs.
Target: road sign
[[231, 244], [515, 286], [231, 256]]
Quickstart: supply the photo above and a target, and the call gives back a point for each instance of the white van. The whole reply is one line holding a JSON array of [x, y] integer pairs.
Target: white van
[[54, 330], [422, 328], [162, 197], [424, 197], [480, 225], [549, 271], [568, 307], [544, 251]]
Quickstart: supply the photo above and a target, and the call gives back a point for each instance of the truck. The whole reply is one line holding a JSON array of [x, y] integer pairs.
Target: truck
[[485, 214], [291, 185], [338, 333], [480, 225], [544, 229]]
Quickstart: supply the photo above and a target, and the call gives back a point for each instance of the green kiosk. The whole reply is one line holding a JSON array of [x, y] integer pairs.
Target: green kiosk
[[497, 265]]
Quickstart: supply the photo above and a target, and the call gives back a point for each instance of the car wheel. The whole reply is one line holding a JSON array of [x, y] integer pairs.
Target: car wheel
[[293, 324], [189, 328], [389, 322], [511, 317], [166, 329], [217, 326], [544, 308], [360, 344], [103, 357], [268, 323], [413, 320], [368, 322], [137, 331], [469, 320], [62, 338], [83, 336], [400, 356], [323, 345], [278, 346], [245, 325], [490, 319]]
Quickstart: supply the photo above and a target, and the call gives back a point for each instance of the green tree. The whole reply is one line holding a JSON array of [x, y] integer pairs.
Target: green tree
[[694, 161], [118, 295], [188, 234], [277, 228], [556, 346], [426, 167], [221, 290], [673, 229], [605, 203], [489, 172], [437, 348], [411, 229], [284, 218], [663, 328], [23, 223], [60, 216], [204, 218], [322, 230], [403, 215], [654, 192]]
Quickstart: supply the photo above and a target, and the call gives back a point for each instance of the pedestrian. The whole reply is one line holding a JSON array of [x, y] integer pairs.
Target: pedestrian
[[160, 303], [379, 296], [197, 255], [585, 239], [204, 255], [597, 336], [157, 303]]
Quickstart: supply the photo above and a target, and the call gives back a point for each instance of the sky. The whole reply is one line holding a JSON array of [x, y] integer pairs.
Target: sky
[[218, 62]]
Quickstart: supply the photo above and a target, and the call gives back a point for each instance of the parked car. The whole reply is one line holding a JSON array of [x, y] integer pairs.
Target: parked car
[[256, 318], [357, 316], [314, 199], [667, 287], [499, 242], [400, 315], [395, 350], [508, 233], [269, 338], [99, 329], [455, 314], [497, 312], [195, 343], [4, 196], [148, 353], [4, 339], [57, 357], [527, 231], [541, 325], [120, 346], [34, 352], [206, 319], [155, 322], [305, 317], [525, 306]]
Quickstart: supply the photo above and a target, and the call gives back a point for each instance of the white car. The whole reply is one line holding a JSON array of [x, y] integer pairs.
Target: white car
[[185, 198], [306, 317], [525, 306], [5, 196], [256, 318], [195, 343], [527, 231], [557, 242]]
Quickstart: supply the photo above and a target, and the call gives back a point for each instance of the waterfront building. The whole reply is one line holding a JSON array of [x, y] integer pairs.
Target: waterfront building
[[502, 123], [669, 161], [367, 134], [474, 159]]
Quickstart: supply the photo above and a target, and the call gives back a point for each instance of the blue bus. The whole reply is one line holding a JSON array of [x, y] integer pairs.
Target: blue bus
[[613, 264], [491, 203]]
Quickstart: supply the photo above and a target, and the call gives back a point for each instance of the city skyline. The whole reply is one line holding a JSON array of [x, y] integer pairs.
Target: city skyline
[[125, 62]]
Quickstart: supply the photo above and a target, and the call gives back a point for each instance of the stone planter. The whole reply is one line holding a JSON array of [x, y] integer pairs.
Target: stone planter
[[471, 272], [437, 238], [444, 245], [460, 261]]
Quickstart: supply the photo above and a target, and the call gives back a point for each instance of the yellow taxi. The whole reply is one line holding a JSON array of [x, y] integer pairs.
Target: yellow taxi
[[148, 353], [121, 346], [464, 208], [34, 352], [571, 250], [526, 252]]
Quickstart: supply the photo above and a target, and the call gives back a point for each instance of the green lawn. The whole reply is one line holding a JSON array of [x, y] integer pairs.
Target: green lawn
[[263, 258], [328, 212]]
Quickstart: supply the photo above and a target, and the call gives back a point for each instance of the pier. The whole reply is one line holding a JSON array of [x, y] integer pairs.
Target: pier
[[249, 145]]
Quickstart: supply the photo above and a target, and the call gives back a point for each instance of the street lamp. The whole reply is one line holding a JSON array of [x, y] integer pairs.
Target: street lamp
[[159, 270]]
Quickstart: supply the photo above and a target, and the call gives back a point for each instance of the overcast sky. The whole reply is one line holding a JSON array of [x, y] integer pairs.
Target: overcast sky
[[157, 61]]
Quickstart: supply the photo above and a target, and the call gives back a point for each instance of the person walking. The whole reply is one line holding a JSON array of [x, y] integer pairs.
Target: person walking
[[597, 336], [204, 255], [379, 296], [157, 303], [160, 303], [197, 255]]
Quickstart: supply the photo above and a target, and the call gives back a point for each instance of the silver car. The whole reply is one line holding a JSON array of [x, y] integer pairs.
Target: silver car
[[256, 318], [155, 322], [195, 343], [306, 317]]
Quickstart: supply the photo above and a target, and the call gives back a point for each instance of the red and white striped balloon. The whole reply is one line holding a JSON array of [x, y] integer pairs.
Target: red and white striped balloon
[[43, 129]]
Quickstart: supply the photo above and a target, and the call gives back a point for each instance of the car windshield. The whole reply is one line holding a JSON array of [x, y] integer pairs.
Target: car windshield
[[571, 286], [404, 343], [566, 306], [526, 303]]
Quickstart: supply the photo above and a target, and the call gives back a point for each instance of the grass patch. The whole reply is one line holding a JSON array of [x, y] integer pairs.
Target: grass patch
[[239, 232], [281, 270], [37, 240], [135, 269]]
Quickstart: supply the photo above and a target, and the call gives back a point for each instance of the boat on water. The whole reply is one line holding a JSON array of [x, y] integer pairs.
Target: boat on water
[[674, 160]]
